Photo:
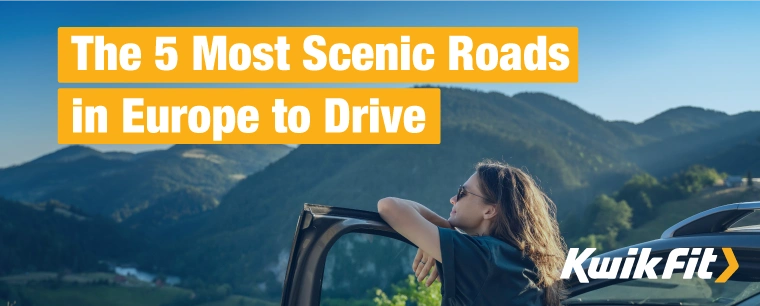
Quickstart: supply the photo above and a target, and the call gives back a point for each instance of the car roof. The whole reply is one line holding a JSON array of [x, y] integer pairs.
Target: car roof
[[716, 220], [710, 228], [738, 240]]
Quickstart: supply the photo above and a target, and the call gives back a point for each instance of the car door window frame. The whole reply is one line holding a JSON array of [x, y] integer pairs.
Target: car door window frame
[[318, 228]]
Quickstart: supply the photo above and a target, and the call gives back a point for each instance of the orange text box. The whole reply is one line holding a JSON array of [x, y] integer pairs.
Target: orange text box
[[226, 116], [168, 55]]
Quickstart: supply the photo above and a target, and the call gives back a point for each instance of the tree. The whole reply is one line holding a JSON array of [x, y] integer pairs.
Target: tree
[[693, 180], [590, 241], [640, 192], [608, 218], [412, 291], [642, 207], [608, 215]]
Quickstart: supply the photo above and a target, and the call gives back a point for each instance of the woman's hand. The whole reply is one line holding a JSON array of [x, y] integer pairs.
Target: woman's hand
[[421, 266]]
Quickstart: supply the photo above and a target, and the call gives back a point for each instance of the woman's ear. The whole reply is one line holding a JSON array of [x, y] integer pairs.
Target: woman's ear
[[490, 212]]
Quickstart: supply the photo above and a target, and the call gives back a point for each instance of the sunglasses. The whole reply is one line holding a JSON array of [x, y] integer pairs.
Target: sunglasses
[[463, 192]]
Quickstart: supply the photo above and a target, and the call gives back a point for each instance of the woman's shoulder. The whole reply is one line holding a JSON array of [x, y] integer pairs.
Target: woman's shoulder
[[485, 242], [489, 248], [504, 251], [498, 244]]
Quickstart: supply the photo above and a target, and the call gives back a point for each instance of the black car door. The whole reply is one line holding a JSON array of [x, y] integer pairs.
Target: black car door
[[318, 229]]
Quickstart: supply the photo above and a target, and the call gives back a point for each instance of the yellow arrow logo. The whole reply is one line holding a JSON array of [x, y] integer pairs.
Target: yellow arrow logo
[[733, 265]]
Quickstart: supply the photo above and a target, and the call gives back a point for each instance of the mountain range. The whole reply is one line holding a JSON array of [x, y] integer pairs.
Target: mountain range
[[228, 212], [120, 184]]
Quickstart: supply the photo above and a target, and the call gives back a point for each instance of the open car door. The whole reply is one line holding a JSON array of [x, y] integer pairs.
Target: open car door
[[319, 227]]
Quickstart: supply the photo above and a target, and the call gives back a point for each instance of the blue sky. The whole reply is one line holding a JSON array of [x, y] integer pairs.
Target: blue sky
[[636, 59]]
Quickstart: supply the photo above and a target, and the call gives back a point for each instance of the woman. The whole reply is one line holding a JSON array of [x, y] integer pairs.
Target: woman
[[510, 251]]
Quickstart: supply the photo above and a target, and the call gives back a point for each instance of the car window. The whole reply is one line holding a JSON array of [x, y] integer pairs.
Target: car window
[[750, 220], [695, 291], [359, 264]]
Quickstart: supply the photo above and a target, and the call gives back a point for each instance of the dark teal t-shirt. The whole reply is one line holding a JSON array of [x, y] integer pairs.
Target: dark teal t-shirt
[[485, 271]]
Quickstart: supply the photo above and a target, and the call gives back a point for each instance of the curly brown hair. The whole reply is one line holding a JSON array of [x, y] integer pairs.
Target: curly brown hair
[[526, 219]]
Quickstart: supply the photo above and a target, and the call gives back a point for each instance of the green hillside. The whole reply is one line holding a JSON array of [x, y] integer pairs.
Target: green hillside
[[737, 160], [671, 123], [121, 184], [680, 120], [52, 237], [172, 208], [675, 153], [671, 213], [608, 135], [521, 119], [75, 152]]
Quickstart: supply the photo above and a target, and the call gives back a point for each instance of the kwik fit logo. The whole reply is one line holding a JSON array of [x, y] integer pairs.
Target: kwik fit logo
[[645, 265]]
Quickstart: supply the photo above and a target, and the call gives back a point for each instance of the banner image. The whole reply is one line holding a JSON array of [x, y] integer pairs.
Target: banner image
[[379, 153]]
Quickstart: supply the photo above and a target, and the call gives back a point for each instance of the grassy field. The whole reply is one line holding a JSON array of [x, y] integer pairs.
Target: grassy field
[[104, 295], [108, 295], [673, 212], [237, 300], [21, 279]]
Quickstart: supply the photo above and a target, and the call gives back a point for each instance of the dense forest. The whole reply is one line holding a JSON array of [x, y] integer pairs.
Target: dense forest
[[52, 237]]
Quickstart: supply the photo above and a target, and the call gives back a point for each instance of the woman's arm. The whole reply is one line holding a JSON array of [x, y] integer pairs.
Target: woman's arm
[[415, 222]]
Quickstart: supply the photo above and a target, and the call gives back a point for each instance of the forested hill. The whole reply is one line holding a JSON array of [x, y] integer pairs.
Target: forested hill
[[52, 236], [120, 184]]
